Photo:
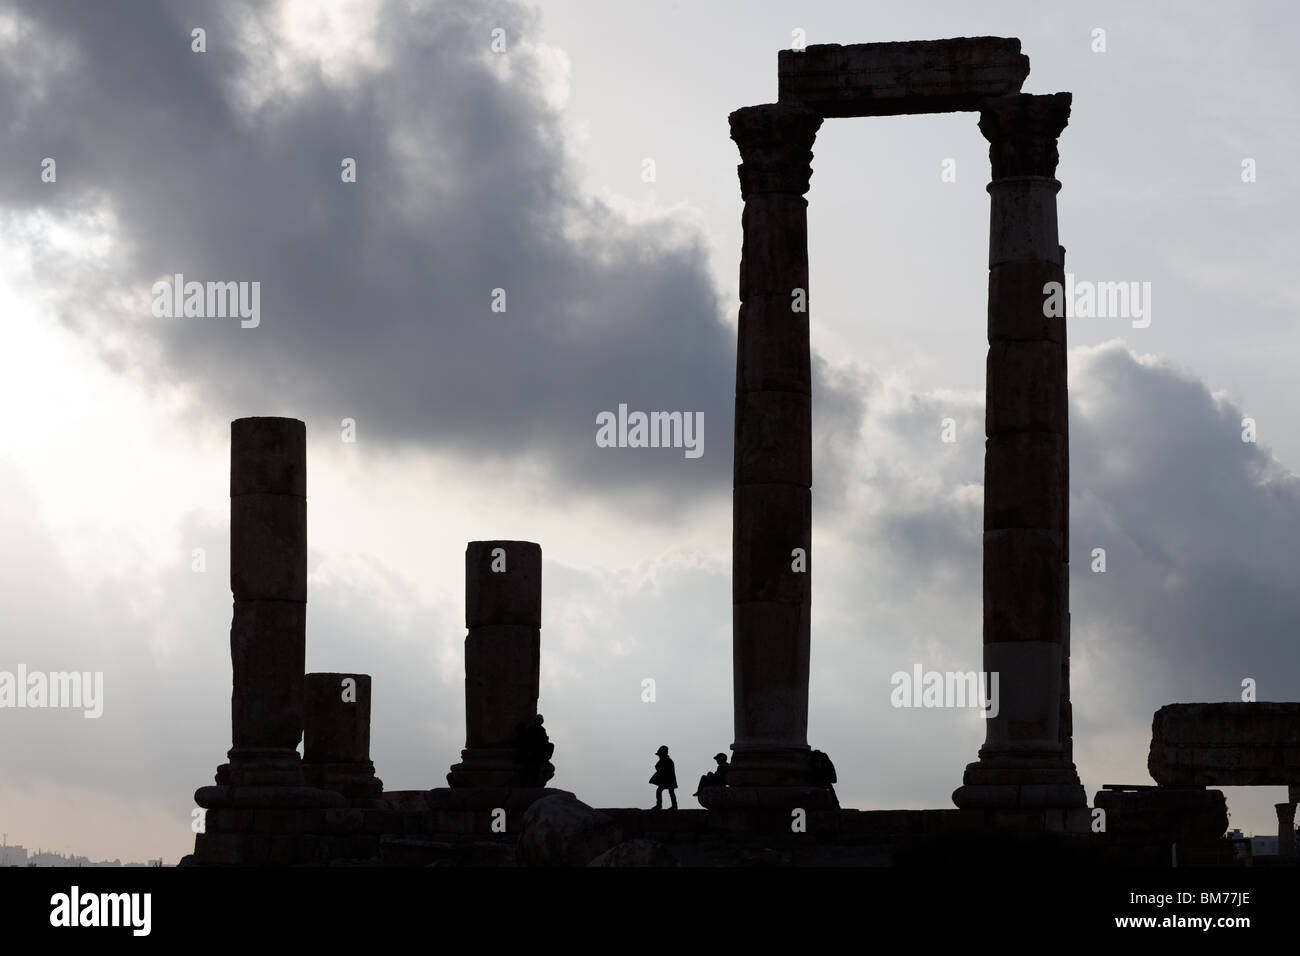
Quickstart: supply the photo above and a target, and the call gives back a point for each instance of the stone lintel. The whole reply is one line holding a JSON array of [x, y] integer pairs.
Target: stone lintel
[[888, 79], [1230, 744]]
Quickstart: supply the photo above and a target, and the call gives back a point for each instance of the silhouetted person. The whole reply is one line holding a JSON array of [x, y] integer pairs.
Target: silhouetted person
[[714, 778], [665, 778], [823, 773], [534, 748]]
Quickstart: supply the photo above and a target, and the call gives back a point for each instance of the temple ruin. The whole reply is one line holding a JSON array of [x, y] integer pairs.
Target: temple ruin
[[271, 806]]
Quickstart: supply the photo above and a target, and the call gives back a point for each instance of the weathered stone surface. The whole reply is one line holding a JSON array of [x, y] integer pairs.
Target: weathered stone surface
[[337, 718], [769, 522], [771, 678], [268, 654], [773, 443], [1232, 744], [502, 667], [637, 852], [1163, 816], [772, 345], [1027, 716], [775, 143], [1022, 130], [561, 830], [1026, 383], [1017, 302], [1022, 221], [915, 76], [512, 596], [1024, 473], [774, 256], [1025, 586], [268, 547], [268, 456]]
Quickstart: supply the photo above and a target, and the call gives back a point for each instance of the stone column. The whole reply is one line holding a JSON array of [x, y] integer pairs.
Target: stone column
[[1285, 829], [1024, 762], [772, 494], [268, 578], [336, 735], [503, 611]]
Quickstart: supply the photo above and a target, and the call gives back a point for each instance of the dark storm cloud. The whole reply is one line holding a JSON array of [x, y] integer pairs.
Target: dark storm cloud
[[375, 296]]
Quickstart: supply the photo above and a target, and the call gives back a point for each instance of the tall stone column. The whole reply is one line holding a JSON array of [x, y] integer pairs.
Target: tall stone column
[[1024, 763], [268, 578], [336, 736], [772, 494], [503, 611]]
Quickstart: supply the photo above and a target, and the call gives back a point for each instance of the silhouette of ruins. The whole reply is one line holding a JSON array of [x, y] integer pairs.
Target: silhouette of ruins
[[269, 806]]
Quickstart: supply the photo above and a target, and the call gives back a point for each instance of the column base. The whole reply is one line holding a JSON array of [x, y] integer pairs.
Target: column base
[[769, 767], [1028, 780], [356, 781], [261, 766], [496, 767]]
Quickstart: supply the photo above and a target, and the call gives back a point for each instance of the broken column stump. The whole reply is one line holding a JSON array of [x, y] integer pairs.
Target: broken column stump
[[336, 737], [503, 614]]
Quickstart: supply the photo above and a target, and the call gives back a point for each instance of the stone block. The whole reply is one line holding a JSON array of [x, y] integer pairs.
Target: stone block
[[770, 677], [1025, 585], [769, 522], [772, 345], [1024, 477], [268, 456], [509, 596], [1229, 744], [887, 79], [1017, 303], [336, 730], [268, 655], [1022, 221], [773, 439], [502, 673], [774, 252], [1026, 388], [268, 548], [561, 830]]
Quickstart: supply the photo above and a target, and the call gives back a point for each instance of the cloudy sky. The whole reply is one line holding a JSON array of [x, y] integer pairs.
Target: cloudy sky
[[526, 171]]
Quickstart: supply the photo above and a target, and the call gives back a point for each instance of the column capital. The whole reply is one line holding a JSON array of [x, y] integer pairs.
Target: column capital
[[775, 148], [1022, 129]]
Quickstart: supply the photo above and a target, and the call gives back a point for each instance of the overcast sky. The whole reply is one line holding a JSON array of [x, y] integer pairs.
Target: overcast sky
[[525, 171]]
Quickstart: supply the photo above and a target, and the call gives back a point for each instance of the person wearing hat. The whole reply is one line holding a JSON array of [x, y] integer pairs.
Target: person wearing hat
[[714, 778], [665, 778]]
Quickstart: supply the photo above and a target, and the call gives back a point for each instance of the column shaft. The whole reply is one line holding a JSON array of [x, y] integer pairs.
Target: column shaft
[[503, 612], [268, 579], [1023, 762], [772, 494]]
